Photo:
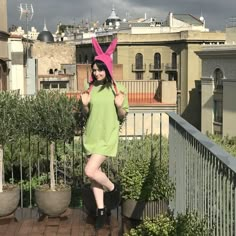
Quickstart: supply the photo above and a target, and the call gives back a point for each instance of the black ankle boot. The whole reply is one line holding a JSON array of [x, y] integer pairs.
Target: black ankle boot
[[100, 218], [112, 198]]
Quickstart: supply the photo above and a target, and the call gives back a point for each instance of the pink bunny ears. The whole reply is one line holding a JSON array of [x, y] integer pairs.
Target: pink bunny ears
[[105, 57], [99, 50]]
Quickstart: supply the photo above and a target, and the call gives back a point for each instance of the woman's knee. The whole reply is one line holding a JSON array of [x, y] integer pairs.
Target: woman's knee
[[89, 172]]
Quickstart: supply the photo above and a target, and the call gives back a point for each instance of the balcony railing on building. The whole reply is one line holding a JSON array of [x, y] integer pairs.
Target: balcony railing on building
[[146, 92], [156, 68], [138, 67], [141, 92], [171, 67]]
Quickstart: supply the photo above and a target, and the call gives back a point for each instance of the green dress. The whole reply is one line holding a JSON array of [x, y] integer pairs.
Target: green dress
[[102, 128]]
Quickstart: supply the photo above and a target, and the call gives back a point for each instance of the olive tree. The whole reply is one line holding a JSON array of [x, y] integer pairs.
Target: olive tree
[[10, 126], [53, 120]]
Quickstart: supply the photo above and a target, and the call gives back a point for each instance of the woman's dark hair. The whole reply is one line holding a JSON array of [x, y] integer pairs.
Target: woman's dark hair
[[101, 66]]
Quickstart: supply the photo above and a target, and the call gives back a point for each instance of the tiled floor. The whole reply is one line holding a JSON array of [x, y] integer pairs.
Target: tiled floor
[[74, 222]]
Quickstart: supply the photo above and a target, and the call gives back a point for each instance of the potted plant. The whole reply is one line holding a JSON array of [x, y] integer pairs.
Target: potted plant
[[54, 121], [190, 224], [145, 184], [9, 129]]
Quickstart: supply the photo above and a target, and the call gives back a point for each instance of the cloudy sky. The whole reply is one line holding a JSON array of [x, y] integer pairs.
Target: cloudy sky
[[216, 12]]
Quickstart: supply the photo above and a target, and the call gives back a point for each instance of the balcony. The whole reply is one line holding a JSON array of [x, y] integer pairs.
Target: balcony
[[146, 92], [171, 67], [141, 92], [138, 68], [156, 68], [204, 176]]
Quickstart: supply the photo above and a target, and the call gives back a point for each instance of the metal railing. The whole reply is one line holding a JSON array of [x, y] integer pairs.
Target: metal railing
[[203, 173], [153, 67], [141, 91], [171, 67], [138, 67]]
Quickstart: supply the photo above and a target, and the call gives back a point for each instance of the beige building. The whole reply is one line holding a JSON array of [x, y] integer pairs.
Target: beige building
[[16, 79], [4, 70], [162, 56], [51, 57], [219, 86], [49, 64]]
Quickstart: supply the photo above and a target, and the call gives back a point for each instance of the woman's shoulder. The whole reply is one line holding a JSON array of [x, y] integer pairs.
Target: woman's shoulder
[[121, 86], [86, 85]]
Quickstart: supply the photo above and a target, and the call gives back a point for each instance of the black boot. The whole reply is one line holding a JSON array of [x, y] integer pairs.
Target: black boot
[[112, 198], [100, 218]]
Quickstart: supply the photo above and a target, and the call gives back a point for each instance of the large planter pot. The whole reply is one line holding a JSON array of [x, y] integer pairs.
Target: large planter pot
[[9, 200], [138, 210], [53, 203]]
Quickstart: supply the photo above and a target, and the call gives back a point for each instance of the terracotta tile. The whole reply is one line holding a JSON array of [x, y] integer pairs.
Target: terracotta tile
[[73, 222]]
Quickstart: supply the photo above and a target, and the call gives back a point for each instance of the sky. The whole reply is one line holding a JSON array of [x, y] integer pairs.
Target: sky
[[217, 13]]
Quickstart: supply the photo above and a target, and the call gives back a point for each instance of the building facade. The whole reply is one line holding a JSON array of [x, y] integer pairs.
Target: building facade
[[162, 56], [218, 81], [56, 65], [4, 69]]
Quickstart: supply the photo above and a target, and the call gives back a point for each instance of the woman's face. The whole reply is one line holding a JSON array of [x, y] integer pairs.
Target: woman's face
[[98, 74]]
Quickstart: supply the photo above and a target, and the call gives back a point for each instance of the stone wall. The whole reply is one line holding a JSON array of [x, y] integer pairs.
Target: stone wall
[[52, 55]]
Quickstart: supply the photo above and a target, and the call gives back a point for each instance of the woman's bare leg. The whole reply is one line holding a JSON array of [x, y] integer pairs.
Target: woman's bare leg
[[98, 194], [98, 178]]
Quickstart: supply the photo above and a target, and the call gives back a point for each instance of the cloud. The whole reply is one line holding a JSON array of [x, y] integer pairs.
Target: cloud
[[215, 12]]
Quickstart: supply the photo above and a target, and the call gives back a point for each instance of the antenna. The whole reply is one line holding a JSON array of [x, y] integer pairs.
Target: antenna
[[27, 11]]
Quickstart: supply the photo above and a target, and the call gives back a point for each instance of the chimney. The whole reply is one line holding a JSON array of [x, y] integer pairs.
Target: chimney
[[171, 19]]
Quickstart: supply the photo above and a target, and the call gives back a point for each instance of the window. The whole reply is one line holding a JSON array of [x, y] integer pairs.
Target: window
[[92, 58], [218, 111], [174, 60], [218, 78], [139, 76], [62, 85], [139, 66], [157, 75], [80, 58], [157, 65], [157, 61], [54, 85], [85, 59], [139, 61], [172, 76], [46, 85]]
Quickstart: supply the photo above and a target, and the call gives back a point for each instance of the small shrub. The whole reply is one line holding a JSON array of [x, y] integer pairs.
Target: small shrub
[[144, 174], [188, 224]]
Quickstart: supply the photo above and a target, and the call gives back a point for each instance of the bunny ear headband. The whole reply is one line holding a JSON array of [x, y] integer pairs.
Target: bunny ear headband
[[105, 57]]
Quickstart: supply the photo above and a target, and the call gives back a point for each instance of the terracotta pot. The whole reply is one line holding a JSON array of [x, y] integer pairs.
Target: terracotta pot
[[9, 200], [53, 203], [138, 210]]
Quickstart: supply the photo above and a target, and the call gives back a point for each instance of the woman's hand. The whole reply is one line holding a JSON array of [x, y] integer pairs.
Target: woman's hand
[[85, 97], [119, 99]]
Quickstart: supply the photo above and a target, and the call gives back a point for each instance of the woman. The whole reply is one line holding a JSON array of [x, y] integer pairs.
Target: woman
[[106, 104]]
